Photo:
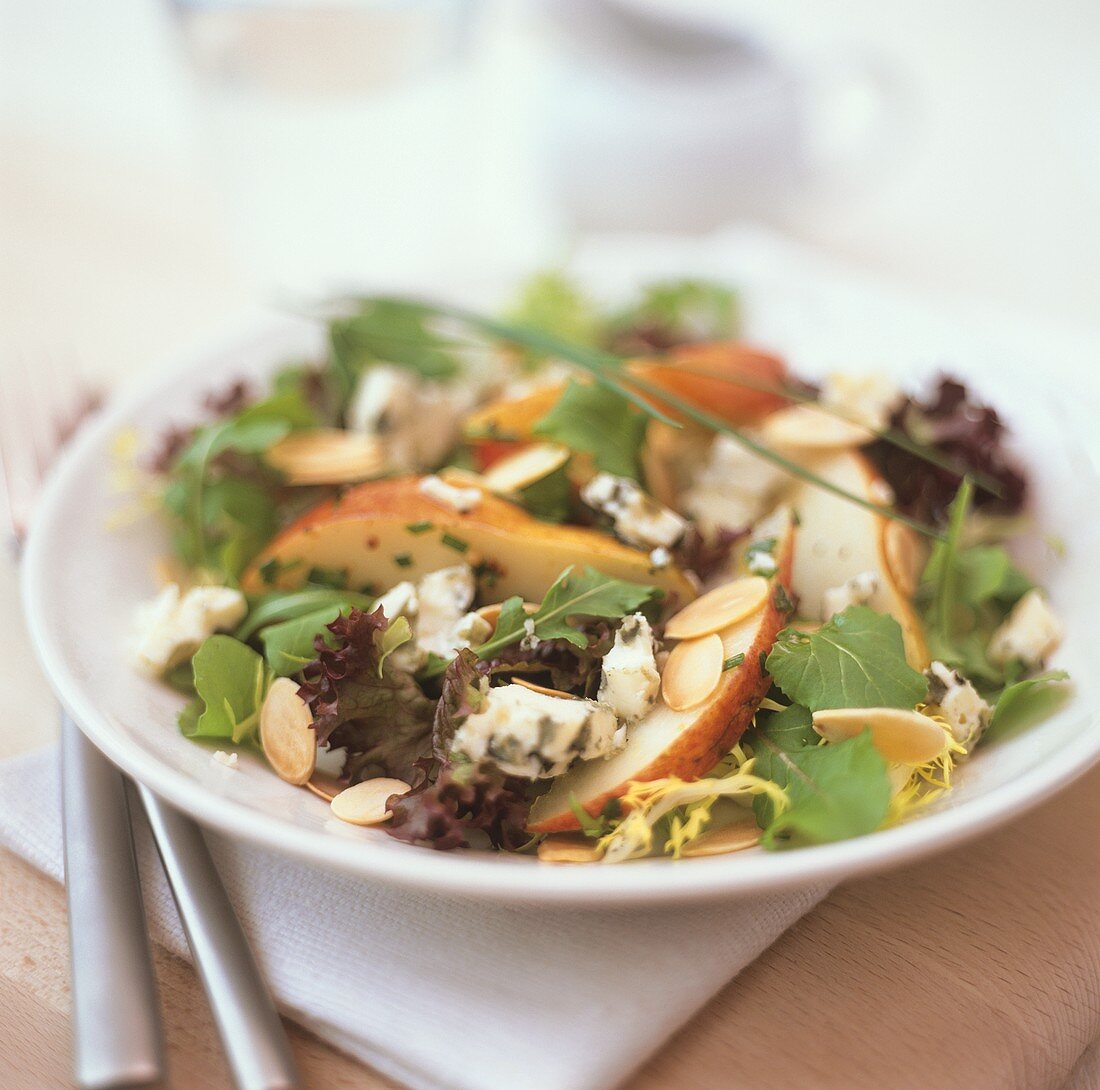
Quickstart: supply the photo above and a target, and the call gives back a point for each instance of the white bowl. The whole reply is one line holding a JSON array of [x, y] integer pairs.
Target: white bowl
[[83, 581]]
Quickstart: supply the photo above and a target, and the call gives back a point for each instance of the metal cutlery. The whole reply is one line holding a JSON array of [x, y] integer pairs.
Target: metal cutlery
[[117, 1033]]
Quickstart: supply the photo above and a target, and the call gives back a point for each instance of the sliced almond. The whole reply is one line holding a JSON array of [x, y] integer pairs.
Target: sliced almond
[[807, 427], [692, 672], [286, 732], [899, 734], [904, 555], [719, 608], [734, 837], [516, 471], [543, 689], [327, 456], [324, 787], [365, 803], [569, 848], [491, 613], [460, 478]]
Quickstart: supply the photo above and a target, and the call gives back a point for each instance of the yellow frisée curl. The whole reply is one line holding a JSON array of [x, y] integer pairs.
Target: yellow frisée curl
[[139, 489], [648, 803], [928, 782]]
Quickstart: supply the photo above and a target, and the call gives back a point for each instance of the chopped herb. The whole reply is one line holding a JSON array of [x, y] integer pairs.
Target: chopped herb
[[781, 599], [732, 661], [403, 560], [455, 543], [421, 527], [335, 578]]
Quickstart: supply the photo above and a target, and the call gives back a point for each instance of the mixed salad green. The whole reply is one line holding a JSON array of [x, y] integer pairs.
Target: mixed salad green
[[595, 583]]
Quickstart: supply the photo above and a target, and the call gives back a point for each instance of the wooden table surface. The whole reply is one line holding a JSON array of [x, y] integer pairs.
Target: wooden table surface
[[978, 970]]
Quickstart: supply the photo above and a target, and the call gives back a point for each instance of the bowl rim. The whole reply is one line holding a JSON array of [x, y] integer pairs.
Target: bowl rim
[[474, 874]]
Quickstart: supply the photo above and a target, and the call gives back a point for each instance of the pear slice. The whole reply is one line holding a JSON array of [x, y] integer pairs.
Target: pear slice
[[839, 540], [383, 532], [685, 743]]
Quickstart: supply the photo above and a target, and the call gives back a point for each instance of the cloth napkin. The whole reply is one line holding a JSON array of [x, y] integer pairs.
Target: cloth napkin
[[437, 992]]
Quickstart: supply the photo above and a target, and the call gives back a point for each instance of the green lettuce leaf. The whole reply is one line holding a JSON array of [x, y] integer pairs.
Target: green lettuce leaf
[[552, 302], [290, 646], [835, 791], [1027, 702], [592, 418], [231, 681], [856, 660], [672, 312]]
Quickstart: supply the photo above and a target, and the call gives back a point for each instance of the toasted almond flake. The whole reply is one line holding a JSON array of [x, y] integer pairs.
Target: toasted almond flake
[[543, 689], [904, 555], [569, 848], [324, 787], [719, 608], [806, 427], [461, 478], [734, 837], [900, 734], [365, 803], [327, 456], [491, 613], [286, 732], [516, 471], [692, 672]]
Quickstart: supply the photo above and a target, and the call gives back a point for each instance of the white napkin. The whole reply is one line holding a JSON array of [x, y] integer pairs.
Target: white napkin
[[438, 992]]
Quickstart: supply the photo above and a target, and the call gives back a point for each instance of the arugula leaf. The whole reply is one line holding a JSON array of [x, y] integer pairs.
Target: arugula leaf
[[591, 418], [983, 573], [589, 594], [1027, 702], [966, 594], [856, 660], [835, 791], [231, 681], [390, 331], [791, 728], [221, 493]]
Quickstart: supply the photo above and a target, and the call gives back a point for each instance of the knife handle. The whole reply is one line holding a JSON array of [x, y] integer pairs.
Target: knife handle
[[116, 1019], [248, 1024]]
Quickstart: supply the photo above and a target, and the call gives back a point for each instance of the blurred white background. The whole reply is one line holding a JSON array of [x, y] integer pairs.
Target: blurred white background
[[135, 209]]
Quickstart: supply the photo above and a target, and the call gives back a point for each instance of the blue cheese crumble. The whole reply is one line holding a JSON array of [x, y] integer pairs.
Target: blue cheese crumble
[[534, 735]]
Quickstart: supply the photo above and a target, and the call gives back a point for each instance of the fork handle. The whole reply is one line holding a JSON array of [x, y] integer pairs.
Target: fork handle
[[252, 1035], [116, 1021]]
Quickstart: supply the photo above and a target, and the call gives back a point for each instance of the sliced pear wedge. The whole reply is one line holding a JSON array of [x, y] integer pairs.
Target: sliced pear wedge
[[686, 743], [810, 428], [901, 735], [839, 540], [386, 531]]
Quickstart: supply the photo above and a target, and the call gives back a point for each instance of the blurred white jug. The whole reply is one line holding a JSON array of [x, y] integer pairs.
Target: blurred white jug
[[654, 123]]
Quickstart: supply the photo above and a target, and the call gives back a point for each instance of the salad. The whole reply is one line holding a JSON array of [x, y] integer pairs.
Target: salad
[[594, 583]]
